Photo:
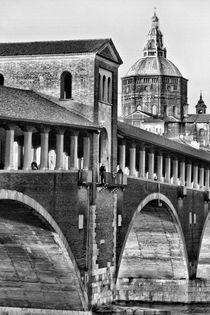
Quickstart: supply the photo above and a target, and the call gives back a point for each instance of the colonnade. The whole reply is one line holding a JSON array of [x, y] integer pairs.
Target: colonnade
[[156, 164], [27, 152]]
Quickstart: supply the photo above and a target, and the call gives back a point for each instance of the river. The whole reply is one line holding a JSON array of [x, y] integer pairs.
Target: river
[[154, 309]]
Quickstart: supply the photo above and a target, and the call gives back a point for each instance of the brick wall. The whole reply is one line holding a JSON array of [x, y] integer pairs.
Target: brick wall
[[60, 195], [43, 74], [194, 203]]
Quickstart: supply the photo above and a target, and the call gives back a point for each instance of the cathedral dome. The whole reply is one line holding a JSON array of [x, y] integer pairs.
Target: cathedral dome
[[154, 66]]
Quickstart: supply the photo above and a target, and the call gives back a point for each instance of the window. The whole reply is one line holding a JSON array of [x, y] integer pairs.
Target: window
[[99, 86], [66, 85], [103, 88], [1, 79], [154, 110], [109, 91]]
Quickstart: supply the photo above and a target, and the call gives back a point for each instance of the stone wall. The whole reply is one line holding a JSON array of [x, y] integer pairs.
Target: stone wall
[[43, 74]]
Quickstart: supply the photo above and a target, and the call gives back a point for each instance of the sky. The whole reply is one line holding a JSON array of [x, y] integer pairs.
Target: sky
[[185, 25]]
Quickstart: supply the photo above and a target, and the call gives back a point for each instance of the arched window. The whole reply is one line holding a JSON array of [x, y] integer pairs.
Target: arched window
[[202, 132], [174, 111], [103, 88], [109, 91], [1, 79], [66, 85], [154, 110], [99, 86]]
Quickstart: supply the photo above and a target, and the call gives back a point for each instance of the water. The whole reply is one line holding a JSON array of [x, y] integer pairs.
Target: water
[[155, 309]]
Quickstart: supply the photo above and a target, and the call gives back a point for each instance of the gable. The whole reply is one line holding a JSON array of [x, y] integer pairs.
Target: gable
[[108, 51]]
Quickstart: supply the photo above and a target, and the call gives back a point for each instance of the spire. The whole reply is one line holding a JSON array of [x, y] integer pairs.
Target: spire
[[201, 106], [154, 46]]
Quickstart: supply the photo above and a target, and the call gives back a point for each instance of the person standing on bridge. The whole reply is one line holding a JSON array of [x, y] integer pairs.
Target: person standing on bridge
[[102, 173]]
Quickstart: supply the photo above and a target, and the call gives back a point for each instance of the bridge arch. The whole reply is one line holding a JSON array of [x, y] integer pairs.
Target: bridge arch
[[55, 241], [203, 265], [154, 246]]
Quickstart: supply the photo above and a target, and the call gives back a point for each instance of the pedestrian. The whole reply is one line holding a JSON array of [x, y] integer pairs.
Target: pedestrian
[[120, 176], [102, 173], [34, 166]]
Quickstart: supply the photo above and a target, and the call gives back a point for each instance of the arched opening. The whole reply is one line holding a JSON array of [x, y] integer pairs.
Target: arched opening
[[66, 85], [1, 79], [154, 248], [34, 253], [104, 89], [174, 111], [109, 91], [154, 110], [203, 267], [99, 86]]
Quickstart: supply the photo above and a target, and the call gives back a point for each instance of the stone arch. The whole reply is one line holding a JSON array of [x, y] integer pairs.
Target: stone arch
[[30, 203], [176, 255], [203, 265]]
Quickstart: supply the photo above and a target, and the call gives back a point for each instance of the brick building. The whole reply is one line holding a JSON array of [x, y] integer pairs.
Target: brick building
[[78, 76], [154, 92]]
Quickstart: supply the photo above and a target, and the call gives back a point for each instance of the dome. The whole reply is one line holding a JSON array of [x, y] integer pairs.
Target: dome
[[154, 66]]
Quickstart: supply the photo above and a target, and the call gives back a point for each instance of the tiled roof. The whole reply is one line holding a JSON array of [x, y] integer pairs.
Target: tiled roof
[[171, 119], [154, 66], [198, 118], [52, 47], [134, 133], [26, 105]]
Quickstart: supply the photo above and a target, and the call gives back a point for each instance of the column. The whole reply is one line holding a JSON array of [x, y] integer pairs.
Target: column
[[167, 169], [122, 151], [27, 158], [189, 174], [201, 177], [151, 165], [59, 149], [74, 151], [86, 152], [9, 148], [142, 161], [44, 148], [207, 179], [132, 150], [175, 171], [195, 176], [160, 167], [182, 173]]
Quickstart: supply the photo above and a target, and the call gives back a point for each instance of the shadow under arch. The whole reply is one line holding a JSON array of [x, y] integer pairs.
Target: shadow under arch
[[141, 250], [203, 265], [9, 196]]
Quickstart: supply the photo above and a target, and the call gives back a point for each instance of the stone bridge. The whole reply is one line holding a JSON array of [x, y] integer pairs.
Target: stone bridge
[[69, 242]]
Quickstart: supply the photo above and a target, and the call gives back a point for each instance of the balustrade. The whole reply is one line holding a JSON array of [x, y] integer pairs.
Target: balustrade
[[173, 170]]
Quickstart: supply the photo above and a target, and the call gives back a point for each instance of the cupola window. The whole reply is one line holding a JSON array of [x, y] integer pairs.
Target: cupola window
[[66, 85]]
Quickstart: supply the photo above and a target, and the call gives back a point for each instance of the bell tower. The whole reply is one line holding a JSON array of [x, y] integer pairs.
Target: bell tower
[[201, 106]]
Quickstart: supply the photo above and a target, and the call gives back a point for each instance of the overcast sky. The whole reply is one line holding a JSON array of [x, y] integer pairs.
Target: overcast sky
[[185, 25]]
